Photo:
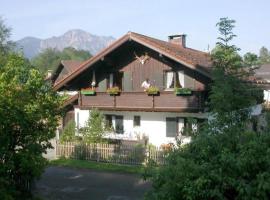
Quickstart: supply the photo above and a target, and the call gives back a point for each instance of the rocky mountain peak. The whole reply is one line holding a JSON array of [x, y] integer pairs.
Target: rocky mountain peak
[[76, 38]]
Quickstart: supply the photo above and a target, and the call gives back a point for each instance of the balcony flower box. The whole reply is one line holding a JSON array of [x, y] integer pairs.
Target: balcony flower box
[[183, 91], [152, 90], [88, 91], [113, 91]]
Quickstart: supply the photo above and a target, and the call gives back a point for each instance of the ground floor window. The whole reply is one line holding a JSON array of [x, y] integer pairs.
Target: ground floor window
[[137, 121], [171, 127], [182, 126], [108, 121], [119, 124]]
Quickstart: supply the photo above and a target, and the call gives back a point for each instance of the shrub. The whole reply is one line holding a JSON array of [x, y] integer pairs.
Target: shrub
[[227, 166], [94, 129], [68, 134]]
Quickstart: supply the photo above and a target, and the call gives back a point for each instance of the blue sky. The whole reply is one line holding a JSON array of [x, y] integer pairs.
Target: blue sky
[[156, 18]]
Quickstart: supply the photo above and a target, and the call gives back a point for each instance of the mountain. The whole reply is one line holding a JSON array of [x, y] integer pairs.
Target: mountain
[[76, 38]]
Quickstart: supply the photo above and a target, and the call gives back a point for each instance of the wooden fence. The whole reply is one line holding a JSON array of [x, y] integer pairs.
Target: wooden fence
[[112, 153]]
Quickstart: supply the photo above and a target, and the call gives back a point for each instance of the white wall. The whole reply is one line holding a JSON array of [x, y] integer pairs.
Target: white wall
[[153, 124], [266, 94]]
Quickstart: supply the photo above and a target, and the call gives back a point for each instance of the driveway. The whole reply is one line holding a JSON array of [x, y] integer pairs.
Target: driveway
[[61, 183]]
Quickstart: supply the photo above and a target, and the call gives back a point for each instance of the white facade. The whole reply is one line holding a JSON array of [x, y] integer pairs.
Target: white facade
[[152, 124]]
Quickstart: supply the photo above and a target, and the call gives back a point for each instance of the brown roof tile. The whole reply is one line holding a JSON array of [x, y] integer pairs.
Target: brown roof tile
[[191, 56], [71, 65]]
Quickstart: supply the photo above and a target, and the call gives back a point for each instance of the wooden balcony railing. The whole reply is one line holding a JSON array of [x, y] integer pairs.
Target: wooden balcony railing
[[165, 101]]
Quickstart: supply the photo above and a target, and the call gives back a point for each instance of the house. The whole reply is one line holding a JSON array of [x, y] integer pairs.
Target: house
[[262, 75], [127, 63]]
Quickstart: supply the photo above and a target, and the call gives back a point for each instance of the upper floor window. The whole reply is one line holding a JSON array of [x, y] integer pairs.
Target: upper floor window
[[115, 79], [174, 79]]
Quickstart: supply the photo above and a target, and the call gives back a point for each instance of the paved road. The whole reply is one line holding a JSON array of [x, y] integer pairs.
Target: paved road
[[61, 183]]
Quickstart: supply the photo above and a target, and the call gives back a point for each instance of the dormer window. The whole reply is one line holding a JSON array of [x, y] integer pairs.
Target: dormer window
[[174, 79]]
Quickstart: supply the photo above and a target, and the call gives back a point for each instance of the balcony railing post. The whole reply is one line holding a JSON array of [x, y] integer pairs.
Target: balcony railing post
[[153, 101]]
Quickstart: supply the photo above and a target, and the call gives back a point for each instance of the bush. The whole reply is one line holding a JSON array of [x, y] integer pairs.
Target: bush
[[68, 134], [137, 154], [94, 130], [227, 166]]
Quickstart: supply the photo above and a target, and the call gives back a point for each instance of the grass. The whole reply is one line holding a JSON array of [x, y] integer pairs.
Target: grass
[[98, 166]]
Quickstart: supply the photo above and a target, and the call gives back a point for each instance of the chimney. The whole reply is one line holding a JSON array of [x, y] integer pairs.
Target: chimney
[[178, 39]]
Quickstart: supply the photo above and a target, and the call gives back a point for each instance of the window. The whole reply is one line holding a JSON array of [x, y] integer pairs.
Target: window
[[115, 79], [108, 121], [119, 124], [192, 125], [171, 127], [174, 79], [137, 121]]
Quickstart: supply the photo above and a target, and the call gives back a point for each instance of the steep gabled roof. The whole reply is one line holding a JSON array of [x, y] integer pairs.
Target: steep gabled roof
[[68, 65], [71, 65], [197, 60]]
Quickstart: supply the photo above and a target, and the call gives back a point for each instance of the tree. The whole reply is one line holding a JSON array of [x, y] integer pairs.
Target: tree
[[230, 95], [231, 166], [49, 59], [6, 45], [68, 134], [29, 110], [224, 160], [264, 55], [95, 127], [251, 60]]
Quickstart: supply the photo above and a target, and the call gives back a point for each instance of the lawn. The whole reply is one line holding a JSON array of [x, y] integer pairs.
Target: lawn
[[99, 166]]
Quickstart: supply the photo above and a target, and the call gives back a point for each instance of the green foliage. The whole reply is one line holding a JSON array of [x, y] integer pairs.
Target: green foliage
[[94, 129], [230, 94], [232, 165], [251, 59], [113, 90], [264, 55], [138, 153], [6, 45], [97, 166], [152, 90], [183, 91], [68, 134], [49, 59], [223, 160], [29, 111]]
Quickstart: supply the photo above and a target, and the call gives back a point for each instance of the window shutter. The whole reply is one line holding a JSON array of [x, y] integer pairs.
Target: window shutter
[[189, 82], [171, 127], [157, 80], [127, 82], [102, 86]]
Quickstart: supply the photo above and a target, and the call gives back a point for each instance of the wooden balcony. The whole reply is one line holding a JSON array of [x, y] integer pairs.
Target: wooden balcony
[[140, 101]]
